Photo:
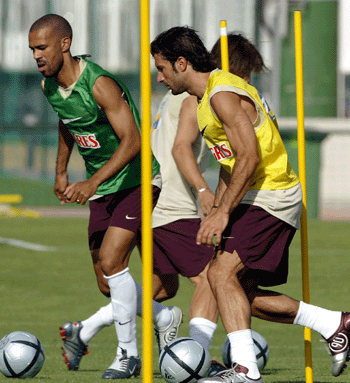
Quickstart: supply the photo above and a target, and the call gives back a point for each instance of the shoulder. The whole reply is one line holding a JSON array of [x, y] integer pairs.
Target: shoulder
[[190, 101], [189, 107], [94, 72], [175, 103], [106, 90], [224, 83], [220, 78]]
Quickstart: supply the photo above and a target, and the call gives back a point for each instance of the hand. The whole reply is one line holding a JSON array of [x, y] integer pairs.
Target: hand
[[214, 224], [206, 201], [80, 192], [61, 185]]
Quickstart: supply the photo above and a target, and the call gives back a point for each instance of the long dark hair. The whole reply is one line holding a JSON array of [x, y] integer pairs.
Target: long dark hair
[[185, 42]]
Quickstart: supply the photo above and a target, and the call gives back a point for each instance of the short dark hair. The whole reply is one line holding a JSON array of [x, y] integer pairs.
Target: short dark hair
[[56, 22], [185, 42], [244, 57]]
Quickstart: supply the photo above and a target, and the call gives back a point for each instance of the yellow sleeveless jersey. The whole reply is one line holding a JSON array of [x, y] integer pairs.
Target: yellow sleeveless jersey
[[273, 171]]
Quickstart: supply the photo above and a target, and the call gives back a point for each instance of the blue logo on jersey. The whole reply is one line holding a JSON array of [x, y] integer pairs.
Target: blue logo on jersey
[[155, 125], [267, 107]]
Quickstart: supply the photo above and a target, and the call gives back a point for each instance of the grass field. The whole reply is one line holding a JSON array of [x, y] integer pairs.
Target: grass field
[[41, 290]]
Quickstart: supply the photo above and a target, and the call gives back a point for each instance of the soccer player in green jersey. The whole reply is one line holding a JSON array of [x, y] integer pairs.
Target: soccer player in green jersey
[[97, 113]]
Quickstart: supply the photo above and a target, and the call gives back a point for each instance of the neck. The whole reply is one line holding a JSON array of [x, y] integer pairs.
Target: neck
[[69, 73], [198, 84]]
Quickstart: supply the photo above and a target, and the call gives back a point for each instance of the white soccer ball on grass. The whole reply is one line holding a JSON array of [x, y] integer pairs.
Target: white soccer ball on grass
[[21, 355], [184, 360]]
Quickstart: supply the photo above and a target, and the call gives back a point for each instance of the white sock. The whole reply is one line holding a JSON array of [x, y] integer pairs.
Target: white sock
[[124, 303], [202, 331], [325, 322], [242, 351], [162, 315], [91, 326]]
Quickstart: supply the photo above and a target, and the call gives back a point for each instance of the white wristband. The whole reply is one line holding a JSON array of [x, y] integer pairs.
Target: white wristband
[[202, 190]]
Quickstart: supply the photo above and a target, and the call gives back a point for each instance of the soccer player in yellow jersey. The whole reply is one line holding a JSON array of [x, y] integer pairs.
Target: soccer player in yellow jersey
[[257, 204]]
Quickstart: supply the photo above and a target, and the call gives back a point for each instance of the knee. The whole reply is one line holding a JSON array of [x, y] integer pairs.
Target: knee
[[222, 274], [164, 294], [104, 289], [110, 264], [105, 262], [165, 287], [216, 273], [171, 290], [212, 274], [201, 280], [103, 285], [101, 280]]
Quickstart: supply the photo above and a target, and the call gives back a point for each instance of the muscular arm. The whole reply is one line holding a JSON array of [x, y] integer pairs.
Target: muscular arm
[[187, 134], [108, 96], [224, 179], [65, 147], [237, 120]]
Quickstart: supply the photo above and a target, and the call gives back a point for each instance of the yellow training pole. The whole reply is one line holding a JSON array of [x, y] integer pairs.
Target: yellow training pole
[[224, 46], [146, 165], [302, 176], [11, 198]]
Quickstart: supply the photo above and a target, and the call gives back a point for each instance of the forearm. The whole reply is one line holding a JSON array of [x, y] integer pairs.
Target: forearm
[[65, 147], [187, 165], [62, 161], [125, 153], [224, 178], [240, 182]]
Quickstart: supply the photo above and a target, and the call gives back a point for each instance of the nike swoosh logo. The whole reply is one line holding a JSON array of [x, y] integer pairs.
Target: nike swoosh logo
[[69, 120], [202, 131], [124, 322], [127, 217], [132, 371]]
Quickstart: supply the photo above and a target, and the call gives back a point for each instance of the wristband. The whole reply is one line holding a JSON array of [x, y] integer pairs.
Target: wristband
[[202, 190]]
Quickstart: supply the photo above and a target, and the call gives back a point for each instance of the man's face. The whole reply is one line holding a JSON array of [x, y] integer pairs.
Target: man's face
[[47, 52], [169, 76]]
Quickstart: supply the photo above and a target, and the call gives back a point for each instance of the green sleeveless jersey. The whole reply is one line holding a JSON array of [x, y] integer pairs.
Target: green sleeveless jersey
[[89, 125]]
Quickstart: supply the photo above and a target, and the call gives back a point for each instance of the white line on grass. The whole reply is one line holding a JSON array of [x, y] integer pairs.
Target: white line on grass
[[26, 245]]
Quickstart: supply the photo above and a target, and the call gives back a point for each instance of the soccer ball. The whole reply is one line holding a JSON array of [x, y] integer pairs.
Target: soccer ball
[[261, 349], [21, 355], [184, 360]]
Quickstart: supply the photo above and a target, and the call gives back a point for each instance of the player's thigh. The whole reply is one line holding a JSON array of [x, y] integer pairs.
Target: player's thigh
[[261, 240], [175, 250]]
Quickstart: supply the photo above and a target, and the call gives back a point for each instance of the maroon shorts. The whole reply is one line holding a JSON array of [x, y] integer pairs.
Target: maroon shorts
[[175, 250], [261, 241], [121, 209]]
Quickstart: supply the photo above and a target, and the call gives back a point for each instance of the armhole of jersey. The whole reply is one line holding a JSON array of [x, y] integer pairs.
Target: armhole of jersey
[[260, 118], [42, 84], [124, 94]]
